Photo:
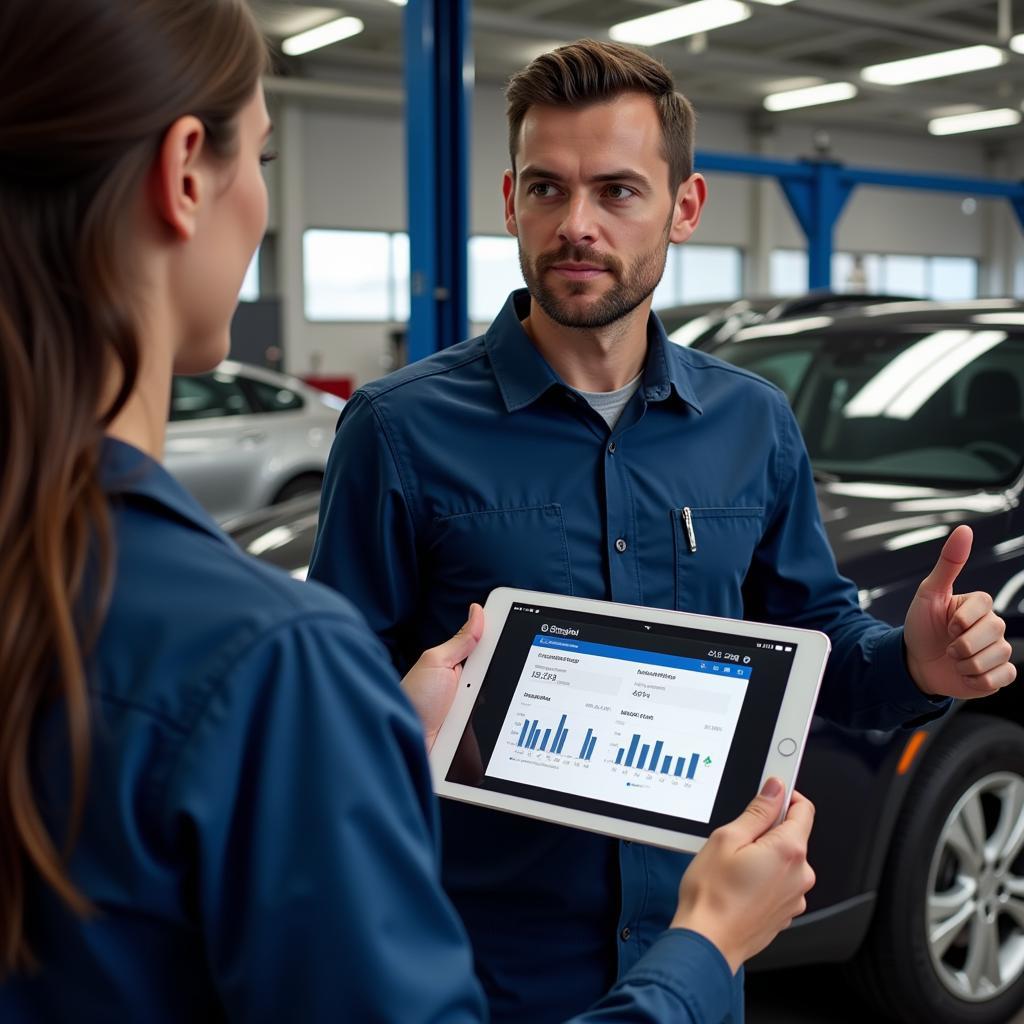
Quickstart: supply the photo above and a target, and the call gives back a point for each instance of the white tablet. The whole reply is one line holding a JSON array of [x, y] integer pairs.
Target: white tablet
[[639, 723]]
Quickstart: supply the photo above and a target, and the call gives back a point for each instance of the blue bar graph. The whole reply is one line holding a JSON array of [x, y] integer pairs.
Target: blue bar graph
[[657, 763], [535, 736], [632, 750], [555, 746], [586, 743]]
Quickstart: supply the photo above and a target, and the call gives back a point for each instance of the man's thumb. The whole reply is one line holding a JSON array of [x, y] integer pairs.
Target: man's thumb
[[952, 559], [763, 811]]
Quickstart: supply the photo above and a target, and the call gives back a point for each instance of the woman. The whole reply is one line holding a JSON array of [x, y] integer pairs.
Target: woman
[[214, 803]]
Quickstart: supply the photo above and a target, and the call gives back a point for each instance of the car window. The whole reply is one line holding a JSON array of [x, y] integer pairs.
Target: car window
[[210, 396], [272, 398], [938, 406]]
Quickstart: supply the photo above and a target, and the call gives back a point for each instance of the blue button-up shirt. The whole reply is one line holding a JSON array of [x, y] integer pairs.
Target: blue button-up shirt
[[259, 838], [478, 467]]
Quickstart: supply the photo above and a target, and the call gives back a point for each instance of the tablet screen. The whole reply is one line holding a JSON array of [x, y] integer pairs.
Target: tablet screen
[[659, 724]]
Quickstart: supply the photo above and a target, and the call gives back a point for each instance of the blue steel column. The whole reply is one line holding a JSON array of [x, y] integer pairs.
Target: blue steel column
[[438, 87]]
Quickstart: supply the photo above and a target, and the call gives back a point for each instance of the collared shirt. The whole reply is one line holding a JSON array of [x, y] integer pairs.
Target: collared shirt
[[259, 838], [478, 467]]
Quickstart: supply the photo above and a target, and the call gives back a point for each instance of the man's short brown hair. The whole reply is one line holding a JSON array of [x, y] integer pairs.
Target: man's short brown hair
[[589, 71]]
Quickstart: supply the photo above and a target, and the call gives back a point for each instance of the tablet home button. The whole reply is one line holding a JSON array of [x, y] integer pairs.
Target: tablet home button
[[787, 747]]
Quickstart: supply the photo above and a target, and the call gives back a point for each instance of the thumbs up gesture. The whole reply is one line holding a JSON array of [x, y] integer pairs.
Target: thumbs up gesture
[[955, 643]]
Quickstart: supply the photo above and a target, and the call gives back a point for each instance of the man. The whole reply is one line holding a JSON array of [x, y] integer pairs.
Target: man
[[573, 449]]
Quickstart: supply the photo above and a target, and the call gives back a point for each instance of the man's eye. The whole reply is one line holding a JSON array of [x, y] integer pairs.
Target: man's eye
[[619, 192], [542, 190]]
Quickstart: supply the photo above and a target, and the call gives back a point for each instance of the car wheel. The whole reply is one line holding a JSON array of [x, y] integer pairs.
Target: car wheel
[[306, 483], [946, 945]]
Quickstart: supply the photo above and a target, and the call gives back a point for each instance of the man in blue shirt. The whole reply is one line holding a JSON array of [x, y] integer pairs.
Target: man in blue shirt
[[572, 449]]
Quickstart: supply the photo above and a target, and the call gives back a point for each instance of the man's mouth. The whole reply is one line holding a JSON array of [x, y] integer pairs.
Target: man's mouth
[[578, 271]]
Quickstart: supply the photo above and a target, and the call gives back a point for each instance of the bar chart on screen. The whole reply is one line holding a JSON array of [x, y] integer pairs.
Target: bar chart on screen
[[659, 762], [534, 736]]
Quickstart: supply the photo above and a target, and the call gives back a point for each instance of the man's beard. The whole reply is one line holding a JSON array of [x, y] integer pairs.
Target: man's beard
[[630, 289]]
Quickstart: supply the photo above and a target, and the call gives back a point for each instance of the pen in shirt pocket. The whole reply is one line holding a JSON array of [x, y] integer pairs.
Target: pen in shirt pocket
[[691, 536]]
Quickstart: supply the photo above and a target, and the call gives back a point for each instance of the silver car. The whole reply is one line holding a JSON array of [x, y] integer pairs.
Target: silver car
[[241, 438]]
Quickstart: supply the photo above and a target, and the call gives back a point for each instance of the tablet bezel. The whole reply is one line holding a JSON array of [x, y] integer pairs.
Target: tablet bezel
[[793, 722]]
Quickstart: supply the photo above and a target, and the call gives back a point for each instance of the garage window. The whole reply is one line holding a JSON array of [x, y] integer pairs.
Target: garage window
[[945, 278], [493, 273], [700, 273], [356, 275]]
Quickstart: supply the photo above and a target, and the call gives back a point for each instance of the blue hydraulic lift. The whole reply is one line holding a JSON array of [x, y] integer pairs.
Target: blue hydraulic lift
[[439, 85], [438, 89], [817, 191]]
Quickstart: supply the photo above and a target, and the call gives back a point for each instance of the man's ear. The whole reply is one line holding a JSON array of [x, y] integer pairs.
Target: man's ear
[[176, 182], [689, 202], [508, 190]]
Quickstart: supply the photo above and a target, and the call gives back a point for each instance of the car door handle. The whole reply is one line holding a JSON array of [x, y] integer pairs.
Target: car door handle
[[253, 438]]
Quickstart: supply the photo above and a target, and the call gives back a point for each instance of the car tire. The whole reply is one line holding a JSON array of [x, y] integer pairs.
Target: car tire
[[305, 483], [964, 809]]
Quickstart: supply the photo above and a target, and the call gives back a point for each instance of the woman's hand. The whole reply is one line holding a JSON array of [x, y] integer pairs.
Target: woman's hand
[[431, 683], [750, 879]]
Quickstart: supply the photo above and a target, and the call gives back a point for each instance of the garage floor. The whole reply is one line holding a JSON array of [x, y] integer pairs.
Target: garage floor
[[815, 995]]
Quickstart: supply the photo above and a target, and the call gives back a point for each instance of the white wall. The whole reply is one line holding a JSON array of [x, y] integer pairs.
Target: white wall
[[346, 169]]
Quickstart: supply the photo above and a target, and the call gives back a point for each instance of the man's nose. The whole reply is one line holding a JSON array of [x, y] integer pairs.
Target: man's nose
[[579, 226]]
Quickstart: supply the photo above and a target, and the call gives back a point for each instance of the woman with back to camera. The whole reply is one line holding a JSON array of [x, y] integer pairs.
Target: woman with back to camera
[[214, 800]]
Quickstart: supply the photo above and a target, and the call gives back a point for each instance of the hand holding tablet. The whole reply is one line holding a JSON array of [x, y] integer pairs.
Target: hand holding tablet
[[644, 724]]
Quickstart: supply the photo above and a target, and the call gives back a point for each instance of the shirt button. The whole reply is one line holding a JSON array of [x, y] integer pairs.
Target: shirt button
[[611, 447], [625, 934], [620, 545]]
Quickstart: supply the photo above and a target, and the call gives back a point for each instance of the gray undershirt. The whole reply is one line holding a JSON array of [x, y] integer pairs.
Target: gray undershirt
[[609, 404]]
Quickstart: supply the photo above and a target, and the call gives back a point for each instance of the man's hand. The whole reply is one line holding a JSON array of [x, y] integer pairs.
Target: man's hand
[[431, 683], [955, 644]]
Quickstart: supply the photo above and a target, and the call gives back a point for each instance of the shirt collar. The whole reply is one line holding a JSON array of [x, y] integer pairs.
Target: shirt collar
[[523, 375], [125, 471]]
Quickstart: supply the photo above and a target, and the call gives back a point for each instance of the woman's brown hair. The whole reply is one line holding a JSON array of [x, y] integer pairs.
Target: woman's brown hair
[[88, 89]]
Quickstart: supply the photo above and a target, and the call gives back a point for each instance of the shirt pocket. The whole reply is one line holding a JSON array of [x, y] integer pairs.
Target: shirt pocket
[[474, 552], [713, 550]]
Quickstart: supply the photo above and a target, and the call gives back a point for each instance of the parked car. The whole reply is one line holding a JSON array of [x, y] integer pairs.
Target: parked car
[[914, 419], [706, 325], [241, 438]]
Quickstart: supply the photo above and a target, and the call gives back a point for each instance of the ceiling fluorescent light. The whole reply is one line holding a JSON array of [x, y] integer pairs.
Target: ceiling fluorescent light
[[976, 122], [688, 20], [832, 92], [322, 35], [934, 65], [1017, 43], [774, 3]]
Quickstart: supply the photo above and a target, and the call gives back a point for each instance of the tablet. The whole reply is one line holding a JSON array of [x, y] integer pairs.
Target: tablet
[[639, 723]]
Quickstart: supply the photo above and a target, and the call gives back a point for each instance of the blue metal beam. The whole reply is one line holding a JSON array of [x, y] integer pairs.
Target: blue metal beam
[[438, 87], [817, 191]]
